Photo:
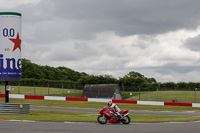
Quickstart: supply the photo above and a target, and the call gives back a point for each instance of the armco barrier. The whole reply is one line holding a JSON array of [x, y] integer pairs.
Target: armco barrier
[[16, 96], [76, 99], [54, 98], [14, 108], [98, 100], [195, 105], [124, 101], [177, 104], [2, 95], [34, 97], [150, 103]]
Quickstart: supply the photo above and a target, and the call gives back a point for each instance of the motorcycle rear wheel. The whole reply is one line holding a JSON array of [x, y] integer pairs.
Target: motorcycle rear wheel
[[102, 119], [126, 120]]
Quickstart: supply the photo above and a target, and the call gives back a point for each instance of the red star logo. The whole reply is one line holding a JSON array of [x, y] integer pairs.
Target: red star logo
[[17, 42]]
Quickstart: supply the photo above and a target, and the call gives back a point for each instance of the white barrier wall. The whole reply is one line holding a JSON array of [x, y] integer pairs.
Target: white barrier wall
[[150, 103], [195, 105], [98, 100], [16, 96], [54, 98]]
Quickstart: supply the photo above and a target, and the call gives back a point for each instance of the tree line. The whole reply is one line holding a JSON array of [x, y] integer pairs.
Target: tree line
[[42, 75]]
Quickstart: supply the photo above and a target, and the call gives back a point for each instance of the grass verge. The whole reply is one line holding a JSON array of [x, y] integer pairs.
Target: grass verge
[[43, 91], [64, 116], [167, 96]]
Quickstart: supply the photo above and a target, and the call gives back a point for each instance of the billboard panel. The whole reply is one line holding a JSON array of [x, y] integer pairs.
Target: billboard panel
[[10, 46]]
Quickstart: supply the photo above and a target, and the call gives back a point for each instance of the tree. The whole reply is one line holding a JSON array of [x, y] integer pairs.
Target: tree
[[134, 74], [168, 85], [136, 79]]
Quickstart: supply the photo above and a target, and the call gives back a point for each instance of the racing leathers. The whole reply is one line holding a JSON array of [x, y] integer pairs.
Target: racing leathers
[[116, 110]]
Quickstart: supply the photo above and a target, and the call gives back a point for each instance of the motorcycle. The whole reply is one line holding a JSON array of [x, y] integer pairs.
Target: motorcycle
[[108, 114]]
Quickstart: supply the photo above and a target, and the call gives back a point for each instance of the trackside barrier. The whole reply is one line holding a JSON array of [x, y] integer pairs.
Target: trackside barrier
[[150, 103], [16, 96], [14, 108], [76, 99], [54, 98], [34, 97], [124, 101], [101, 100], [177, 104], [195, 105], [2, 95], [98, 100]]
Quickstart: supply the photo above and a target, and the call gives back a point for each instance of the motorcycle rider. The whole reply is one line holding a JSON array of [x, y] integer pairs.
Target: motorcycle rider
[[115, 108]]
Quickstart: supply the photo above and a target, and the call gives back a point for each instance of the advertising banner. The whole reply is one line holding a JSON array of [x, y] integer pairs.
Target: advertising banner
[[10, 46]]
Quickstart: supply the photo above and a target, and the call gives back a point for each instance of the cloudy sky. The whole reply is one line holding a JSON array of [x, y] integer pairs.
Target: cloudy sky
[[157, 38]]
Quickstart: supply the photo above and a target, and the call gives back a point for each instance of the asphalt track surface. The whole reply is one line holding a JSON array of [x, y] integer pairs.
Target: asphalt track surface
[[130, 111], [58, 127], [15, 126]]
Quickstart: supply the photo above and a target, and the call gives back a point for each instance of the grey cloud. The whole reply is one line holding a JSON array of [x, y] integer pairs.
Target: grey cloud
[[145, 41], [176, 68], [171, 72], [69, 51], [131, 17], [82, 19], [193, 43]]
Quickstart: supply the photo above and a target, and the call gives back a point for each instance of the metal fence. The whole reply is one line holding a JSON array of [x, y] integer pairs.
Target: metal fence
[[186, 95], [14, 108], [68, 90]]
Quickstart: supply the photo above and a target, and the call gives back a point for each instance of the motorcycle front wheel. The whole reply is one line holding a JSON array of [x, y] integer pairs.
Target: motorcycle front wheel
[[126, 120], [102, 119]]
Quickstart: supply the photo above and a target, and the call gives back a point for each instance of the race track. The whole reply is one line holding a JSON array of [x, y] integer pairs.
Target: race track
[[131, 111], [57, 127]]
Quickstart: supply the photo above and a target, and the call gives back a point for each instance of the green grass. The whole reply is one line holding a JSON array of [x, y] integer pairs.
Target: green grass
[[57, 116], [166, 96], [65, 116], [134, 95], [43, 91]]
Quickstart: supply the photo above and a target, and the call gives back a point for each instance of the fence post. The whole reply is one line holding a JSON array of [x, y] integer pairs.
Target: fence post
[[48, 89], [19, 87], [34, 89], [62, 89], [98, 92], [185, 96], [195, 95], [106, 92], [139, 92], [157, 93], [175, 92], [74, 89], [7, 86]]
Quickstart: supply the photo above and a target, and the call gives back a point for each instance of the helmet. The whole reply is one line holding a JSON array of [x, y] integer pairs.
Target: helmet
[[109, 103]]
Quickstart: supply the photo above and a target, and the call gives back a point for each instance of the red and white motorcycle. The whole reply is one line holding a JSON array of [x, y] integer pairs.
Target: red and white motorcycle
[[107, 114]]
